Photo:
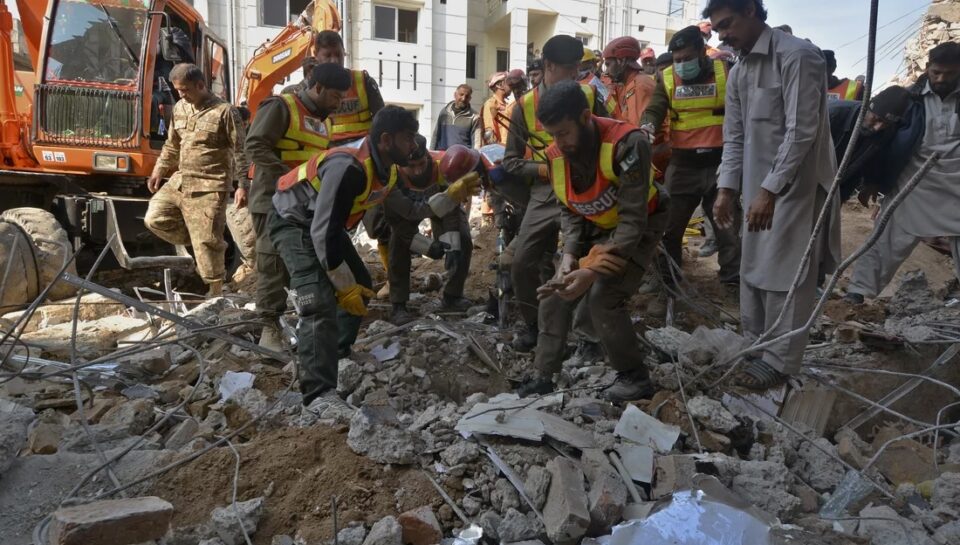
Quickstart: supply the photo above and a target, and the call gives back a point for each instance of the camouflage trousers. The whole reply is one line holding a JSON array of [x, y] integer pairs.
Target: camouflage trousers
[[192, 219]]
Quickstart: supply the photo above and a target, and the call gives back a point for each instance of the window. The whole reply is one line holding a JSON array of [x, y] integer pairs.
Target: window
[[390, 23], [216, 59], [585, 38], [503, 60], [280, 12], [471, 61]]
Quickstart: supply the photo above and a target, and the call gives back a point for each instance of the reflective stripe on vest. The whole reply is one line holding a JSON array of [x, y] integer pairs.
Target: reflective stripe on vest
[[847, 90], [306, 135], [436, 157], [375, 191], [353, 118], [539, 137], [699, 109], [605, 92], [598, 204]]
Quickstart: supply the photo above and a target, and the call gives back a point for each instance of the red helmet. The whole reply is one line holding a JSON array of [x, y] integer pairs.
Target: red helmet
[[625, 47], [458, 161]]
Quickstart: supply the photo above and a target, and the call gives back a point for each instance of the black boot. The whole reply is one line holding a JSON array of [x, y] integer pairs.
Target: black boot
[[400, 315], [535, 386], [526, 340], [630, 386]]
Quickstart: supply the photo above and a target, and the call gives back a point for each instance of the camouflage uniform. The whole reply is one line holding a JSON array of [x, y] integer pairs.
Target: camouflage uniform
[[204, 154]]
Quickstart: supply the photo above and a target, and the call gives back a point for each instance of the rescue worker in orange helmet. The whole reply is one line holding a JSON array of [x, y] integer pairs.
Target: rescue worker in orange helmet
[[612, 217], [840, 89], [691, 93], [634, 87], [288, 130]]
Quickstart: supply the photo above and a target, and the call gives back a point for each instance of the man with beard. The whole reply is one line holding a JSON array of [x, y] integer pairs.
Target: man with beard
[[458, 122], [778, 154], [612, 216], [535, 72], [633, 86], [930, 210], [314, 207], [409, 204]]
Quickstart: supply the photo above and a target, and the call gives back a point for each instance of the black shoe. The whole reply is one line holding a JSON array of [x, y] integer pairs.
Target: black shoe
[[400, 315], [526, 340], [452, 303], [629, 387], [853, 298], [536, 386], [589, 351]]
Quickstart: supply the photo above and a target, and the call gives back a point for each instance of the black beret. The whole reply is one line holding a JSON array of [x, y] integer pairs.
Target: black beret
[[891, 104], [563, 49], [687, 37], [330, 75]]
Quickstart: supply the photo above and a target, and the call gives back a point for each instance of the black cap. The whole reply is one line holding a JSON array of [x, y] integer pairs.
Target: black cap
[[330, 75], [665, 59], [563, 49], [535, 64], [890, 104], [687, 37]]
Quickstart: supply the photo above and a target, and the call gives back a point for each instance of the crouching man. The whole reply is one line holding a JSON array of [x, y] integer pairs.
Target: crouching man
[[612, 219], [314, 207], [420, 180]]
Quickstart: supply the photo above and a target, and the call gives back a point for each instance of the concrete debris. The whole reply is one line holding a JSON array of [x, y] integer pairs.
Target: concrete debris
[[182, 434], [913, 296], [93, 338], [712, 414], [706, 345], [490, 523], [668, 340], [883, 526], [504, 496], [765, 485], [608, 494], [566, 515], [461, 452], [375, 433], [638, 461], [232, 383], [643, 429], [14, 421], [536, 485], [225, 524], [946, 492], [349, 376], [386, 531], [44, 438], [126, 521], [420, 527], [904, 461], [818, 469], [515, 526], [672, 473], [352, 535], [133, 416], [948, 534]]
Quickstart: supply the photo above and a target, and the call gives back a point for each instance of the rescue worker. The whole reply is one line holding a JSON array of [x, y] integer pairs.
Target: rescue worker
[[309, 227], [535, 72], [517, 83], [590, 75], [288, 130], [536, 241], [778, 154], [634, 86], [840, 89], [494, 106], [203, 156], [589, 64], [612, 217], [648, 61], [691, 96], [408, 205]]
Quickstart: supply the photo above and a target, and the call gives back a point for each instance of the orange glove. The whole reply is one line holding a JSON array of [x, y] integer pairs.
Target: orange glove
[[603, 260]]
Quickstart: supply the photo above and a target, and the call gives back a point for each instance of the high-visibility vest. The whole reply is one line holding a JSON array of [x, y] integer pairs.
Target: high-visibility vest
[[353, 118], [607, 96], [699, 109], [598, 204], [847, 90], [306, 135], [539, 138], [634, 96], [375, 190], [437, 178]]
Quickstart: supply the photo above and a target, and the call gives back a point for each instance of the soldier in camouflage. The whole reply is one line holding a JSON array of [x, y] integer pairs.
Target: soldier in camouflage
[[203, 156]]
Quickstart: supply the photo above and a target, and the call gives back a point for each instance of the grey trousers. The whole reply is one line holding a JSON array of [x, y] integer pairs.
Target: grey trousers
[[759, 310], [876, 268], [272, 275], [535, 246]]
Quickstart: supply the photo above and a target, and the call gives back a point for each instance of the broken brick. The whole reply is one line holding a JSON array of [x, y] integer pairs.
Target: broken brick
[[111, 522], [565, 514], [420, 527]]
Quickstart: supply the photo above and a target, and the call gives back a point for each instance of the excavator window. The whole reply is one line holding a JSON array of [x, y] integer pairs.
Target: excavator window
[[218, 75]]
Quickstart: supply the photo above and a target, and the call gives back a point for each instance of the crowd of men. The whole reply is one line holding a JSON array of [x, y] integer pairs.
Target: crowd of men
[[606, 156]]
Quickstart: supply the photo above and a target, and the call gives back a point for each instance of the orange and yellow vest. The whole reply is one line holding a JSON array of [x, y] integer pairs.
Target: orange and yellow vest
[[306, 135], [374, 192], [699, 107], [608, 93], [353, 119], [848, 89], [539, 138], [437, 179], [599, 203]]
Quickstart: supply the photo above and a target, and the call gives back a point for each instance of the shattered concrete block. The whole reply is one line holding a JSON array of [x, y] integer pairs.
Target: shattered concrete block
[[387, 531], [352, 535], [851, 448], [504, 496], [608, 496], [490, 522], [378, 437], [515, 526], [946, 492], [765, 484], [907, 461], [712, 414], [461, 452], [44, 438], [92, 307], [182, 434], [133, 416], [668, 340], [948, 534], [565, 515], [420, 527], [113, 522], [471, 506], [14, 421], [537, 485], [818, 469], [93, 337], [349, 376], [225, 523], [672, 473], [892, 529]]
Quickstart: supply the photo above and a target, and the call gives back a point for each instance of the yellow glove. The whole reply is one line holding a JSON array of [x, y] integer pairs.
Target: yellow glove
[[467, 186], [353, 300]]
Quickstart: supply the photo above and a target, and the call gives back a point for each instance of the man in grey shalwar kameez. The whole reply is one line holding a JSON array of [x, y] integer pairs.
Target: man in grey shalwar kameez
[[779, 155], [932, 209]]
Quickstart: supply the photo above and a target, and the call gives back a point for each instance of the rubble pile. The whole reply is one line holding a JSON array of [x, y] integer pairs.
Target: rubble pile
[[431, 444], [940, 24]]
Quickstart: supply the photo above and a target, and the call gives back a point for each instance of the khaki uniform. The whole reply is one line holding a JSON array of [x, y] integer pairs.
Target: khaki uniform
[[203, 156]]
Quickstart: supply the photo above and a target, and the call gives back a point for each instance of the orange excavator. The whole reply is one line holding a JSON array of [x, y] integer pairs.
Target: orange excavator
[[84, 112]]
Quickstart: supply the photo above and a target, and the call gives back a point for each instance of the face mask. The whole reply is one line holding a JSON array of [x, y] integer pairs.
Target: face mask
[[687, 70]]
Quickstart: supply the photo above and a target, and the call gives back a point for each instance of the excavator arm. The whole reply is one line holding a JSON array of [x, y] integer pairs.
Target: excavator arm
[[284, 54]]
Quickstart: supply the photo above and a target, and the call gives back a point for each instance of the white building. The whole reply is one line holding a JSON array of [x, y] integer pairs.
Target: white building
[[419, 51]]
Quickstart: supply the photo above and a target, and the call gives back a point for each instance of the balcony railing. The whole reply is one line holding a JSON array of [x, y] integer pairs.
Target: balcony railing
[[85, 116]]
